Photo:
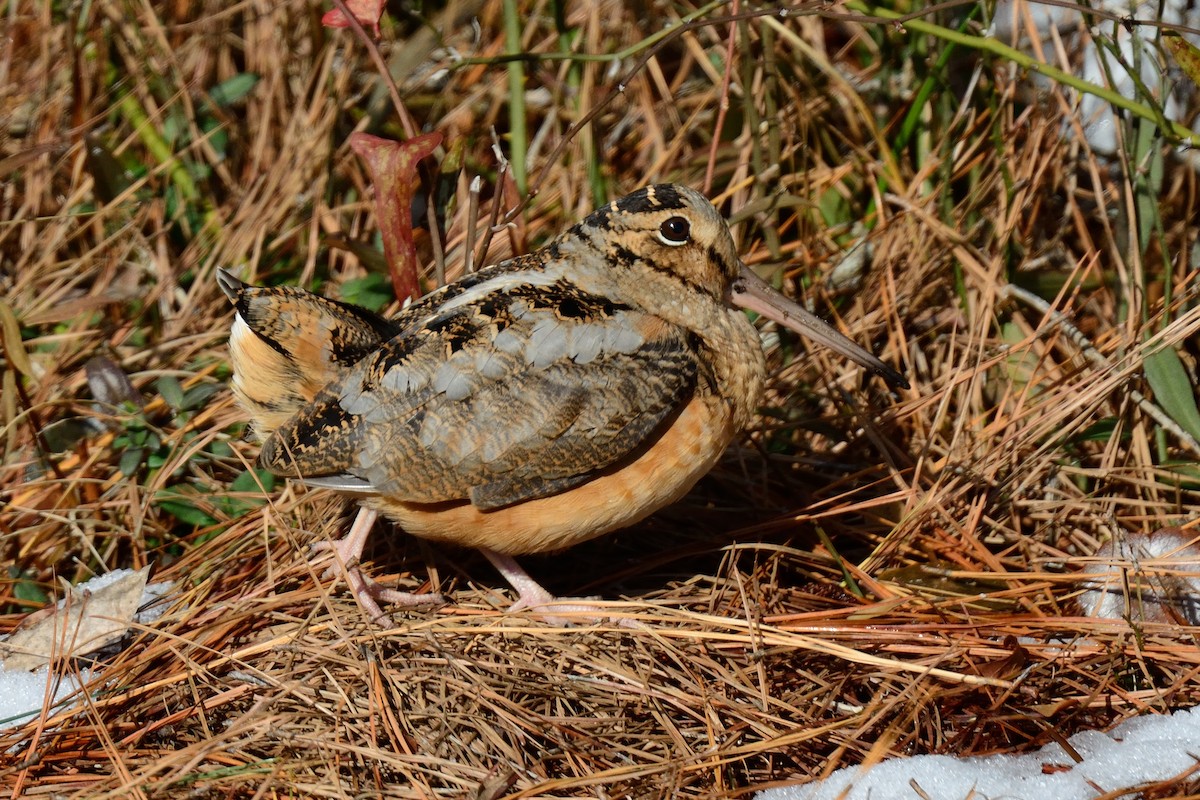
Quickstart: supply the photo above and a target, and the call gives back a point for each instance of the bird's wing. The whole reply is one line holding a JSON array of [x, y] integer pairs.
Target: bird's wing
[[503, 397]]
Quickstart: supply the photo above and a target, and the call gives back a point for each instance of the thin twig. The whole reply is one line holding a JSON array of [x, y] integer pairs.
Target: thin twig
[[472, 221]]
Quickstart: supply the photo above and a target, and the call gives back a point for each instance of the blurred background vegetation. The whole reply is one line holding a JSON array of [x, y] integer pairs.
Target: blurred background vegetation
[[949, 184]]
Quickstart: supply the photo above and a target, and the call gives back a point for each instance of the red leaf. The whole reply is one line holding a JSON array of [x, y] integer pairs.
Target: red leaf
[[366, 12], [393, 168]]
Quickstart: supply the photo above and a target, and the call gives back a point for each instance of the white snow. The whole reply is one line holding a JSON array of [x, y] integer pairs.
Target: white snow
[[23, 693], [1142, 750]]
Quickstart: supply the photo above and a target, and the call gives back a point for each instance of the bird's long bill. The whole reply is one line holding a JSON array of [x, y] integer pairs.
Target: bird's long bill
[[753, 293]]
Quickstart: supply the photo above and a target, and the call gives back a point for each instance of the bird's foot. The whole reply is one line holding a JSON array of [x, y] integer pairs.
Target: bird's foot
[[347, 551], [369, 594], [534, 597], [552, 610]]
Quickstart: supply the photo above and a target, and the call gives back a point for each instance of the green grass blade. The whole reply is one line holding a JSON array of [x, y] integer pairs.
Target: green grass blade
[[1173, 389]]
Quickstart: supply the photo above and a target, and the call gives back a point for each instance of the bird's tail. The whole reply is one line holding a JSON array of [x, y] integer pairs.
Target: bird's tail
[[287, 344]]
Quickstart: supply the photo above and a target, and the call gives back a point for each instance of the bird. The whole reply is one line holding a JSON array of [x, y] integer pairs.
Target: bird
[[528, 406]]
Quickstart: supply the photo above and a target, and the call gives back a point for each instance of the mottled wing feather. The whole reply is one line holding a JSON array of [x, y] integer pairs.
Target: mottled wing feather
[[517, 396], [499, 494], [607, 429]]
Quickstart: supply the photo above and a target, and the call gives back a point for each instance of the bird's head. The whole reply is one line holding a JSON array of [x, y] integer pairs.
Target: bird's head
[[671, 237]]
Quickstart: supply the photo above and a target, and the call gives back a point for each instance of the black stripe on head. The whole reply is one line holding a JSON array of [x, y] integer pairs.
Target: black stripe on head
[[691, 285], [660, 197], [726, 268], [623, 256], [600, 218]]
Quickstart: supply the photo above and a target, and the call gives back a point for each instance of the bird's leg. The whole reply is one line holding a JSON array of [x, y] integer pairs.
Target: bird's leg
[[348, 550], [533, 595]]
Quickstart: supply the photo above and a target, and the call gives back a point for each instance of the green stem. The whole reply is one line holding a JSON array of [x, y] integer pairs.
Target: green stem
[[158, 147], [912, 120], [516, 95]]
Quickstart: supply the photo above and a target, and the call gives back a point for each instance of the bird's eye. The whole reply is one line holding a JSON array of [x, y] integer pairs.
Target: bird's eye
[[675, 231]]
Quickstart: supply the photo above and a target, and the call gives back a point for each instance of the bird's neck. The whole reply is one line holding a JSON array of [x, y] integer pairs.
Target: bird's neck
[[735, 361]]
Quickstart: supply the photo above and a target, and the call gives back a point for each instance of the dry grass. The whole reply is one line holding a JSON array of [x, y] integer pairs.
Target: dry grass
[[863, 576]]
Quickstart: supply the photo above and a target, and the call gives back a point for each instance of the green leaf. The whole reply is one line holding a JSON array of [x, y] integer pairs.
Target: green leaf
[[371, 292], [1172, 389], [1099, 431], [109, 176], [177, 503], [231, 90], [247, 483], [26, 589], [835, 210], [65, 434], [186, 513], [1187, 474], [171, 391], [14, 346], [197, 396], [250, 480], [131, 461], [1186, 54], [175, 126], [217, 137]]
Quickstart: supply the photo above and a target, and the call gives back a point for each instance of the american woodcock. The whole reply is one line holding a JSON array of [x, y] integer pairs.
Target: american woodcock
[[529, 406]]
